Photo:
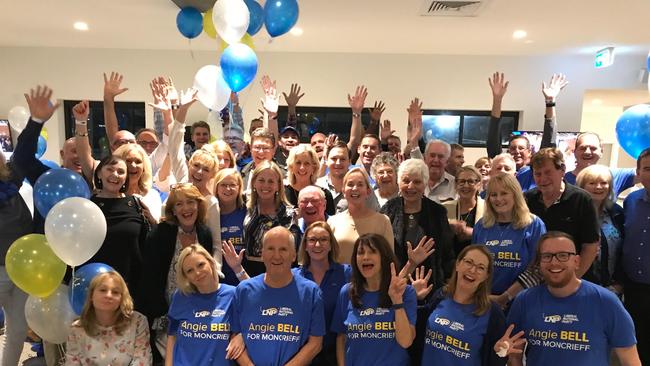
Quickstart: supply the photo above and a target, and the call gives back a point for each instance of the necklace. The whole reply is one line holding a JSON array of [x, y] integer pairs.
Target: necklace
[[191, 232]]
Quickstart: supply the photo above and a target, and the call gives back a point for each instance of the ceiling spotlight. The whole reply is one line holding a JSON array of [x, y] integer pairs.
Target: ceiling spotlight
[[80, 26], [296, 31], [519, 34]]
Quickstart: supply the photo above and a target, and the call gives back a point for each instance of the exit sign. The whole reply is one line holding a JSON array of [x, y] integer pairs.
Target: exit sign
[[604, 57]]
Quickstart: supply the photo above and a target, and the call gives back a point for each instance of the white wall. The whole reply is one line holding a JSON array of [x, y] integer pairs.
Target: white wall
[[444, 82]]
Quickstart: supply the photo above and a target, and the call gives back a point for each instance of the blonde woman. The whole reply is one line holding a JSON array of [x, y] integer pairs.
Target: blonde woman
[[208, 341], [229, 187], [138, 166], [302, 171], [223, 153], [267, 207], [598, 181], [510, 232], [358, 219], [109, 331]]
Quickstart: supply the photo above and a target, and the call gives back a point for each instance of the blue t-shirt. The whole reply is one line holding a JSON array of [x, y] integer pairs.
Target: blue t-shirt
[[370, 330], [512, 249], [622, 179], [232, 229], [201, 322], [576, 330], [454, 336], [277, 322], [330, 286], [525, 178]]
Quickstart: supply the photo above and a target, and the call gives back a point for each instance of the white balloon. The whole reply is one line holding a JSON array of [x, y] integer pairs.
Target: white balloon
[[18, 117], [231, 18], [75, 228], [51, 317], [213, 92]]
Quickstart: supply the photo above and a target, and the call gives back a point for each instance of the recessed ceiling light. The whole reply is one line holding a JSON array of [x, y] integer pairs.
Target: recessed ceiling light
[[519, 34], [80, 26], [296, 31]]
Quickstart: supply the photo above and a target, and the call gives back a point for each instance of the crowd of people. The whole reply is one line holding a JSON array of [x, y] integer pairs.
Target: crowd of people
[[256, 249]]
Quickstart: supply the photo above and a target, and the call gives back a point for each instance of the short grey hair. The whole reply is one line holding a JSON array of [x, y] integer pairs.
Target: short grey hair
[[412, 167], [384, 158], [438, 141], [311, 188]]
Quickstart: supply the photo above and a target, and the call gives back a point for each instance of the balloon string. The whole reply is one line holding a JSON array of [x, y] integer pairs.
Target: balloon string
[[72, 282], [189, 41]]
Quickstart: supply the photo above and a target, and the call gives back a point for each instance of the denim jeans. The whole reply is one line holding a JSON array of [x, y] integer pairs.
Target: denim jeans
[[12, 300]]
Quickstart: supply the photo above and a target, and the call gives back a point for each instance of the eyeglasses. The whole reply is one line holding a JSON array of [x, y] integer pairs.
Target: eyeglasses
[[147, 143], [313, 240], [561, 256], [462, 182], [233, 186], [480, 269], [260, 148]]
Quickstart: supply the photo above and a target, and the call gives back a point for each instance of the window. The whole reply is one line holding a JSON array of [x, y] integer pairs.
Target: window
[[468, 128], [130, 116]]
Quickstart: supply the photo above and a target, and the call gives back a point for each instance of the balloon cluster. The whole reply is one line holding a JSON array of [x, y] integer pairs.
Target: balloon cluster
[[75, 229], [235, 22]]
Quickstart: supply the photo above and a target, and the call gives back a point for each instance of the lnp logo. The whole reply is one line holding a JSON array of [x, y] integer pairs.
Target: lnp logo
[[552, 318], [367, 312], [202, 314], [491, 243], [269, 311], [442, 321], [457, 326]]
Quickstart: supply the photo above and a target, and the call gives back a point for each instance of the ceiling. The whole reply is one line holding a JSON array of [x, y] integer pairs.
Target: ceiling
[[359, 26]]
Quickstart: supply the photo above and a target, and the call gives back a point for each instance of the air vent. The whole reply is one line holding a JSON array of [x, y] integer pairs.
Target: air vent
[[456, 8]]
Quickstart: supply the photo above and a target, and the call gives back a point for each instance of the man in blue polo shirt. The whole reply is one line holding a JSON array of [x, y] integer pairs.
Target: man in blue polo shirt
[[570, 321], [279, 315], [636, 256]]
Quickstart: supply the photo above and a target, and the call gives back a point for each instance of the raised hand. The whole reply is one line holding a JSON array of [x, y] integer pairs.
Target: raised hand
[[386, 131], [397, 286], [420, 282], [39, 103], [399, 156], [498, 84], [508, 345], [112, 85], [187, 97], [271, 100], [81, 111], [356, 102], [552, 90], [376, 111], [421, 252], [415, 110], [160, 94], [294, 95], [231, 256], [267, 83]]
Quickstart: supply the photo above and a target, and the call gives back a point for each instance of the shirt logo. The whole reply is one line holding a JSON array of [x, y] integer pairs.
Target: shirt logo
[[457, 326], [371, 311], [218, 313], [282, 311], [552, 318], [201, 314], [492, 243], [442, 321]]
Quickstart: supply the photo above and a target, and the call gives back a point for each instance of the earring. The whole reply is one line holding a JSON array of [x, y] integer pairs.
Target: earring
[[99, 184]]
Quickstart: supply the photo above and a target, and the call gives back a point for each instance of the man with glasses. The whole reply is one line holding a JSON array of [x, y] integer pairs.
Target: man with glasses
[[311, 204], [569, 321], [262, 149]]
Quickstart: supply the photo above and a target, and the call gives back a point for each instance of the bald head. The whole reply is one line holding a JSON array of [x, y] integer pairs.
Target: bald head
[[69, 157], [122, 137]]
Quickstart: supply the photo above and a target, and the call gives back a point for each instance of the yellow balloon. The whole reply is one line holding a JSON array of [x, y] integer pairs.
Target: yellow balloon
[[212, 139], [208, 25], [44, 133], [246, 39], [33, 267]]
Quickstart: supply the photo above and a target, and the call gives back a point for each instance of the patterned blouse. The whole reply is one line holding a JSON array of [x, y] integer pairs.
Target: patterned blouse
[[131, 348]]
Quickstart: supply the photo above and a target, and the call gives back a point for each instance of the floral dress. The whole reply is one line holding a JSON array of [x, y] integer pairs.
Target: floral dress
[[108, 348]]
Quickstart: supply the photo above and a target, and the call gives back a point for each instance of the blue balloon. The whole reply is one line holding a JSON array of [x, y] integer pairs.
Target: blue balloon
[[256, 18], [50, 164], [56, 185], [41, 147], [239, 66], [633, 129], [81, 281], [189, 22], [280, 16]]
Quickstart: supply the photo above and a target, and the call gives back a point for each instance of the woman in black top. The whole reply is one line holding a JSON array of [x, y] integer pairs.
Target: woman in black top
[[302, 171]]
